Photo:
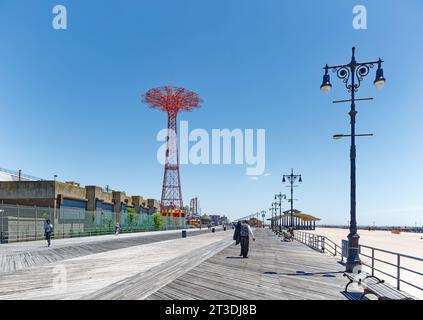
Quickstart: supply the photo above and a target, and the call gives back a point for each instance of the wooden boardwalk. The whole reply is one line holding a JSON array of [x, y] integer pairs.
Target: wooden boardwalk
[[206, 266], [274, 270], [87, 277], [23, 255]]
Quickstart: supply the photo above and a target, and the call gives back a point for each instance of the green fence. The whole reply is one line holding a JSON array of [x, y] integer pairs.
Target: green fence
[[23, 223]]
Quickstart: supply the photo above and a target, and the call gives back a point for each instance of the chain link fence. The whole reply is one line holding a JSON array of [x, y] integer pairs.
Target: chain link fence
[[23, 223]]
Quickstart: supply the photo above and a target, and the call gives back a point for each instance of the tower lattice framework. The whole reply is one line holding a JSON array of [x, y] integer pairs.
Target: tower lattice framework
[[172, 100]]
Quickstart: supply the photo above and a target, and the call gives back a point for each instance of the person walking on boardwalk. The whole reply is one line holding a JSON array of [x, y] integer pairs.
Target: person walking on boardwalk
[[245, 234], [48, 230], [117, 229], [237, 234]]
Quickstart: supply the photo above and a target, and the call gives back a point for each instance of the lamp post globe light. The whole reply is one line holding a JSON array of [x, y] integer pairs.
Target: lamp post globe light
[[352, 74], [274, 216], [263, 215], [271, 221], [279, 225], [326, 86], [279, 197], [292, 178]]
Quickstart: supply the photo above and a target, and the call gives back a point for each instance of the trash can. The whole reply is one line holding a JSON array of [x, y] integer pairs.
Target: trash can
[[213, 230], [184, 233], [224, 228]]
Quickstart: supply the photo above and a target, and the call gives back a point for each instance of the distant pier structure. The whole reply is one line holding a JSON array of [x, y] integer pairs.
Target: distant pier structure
[[302, 221]]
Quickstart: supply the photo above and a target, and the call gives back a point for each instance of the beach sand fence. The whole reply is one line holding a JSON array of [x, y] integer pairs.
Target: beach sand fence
[[388, 251]]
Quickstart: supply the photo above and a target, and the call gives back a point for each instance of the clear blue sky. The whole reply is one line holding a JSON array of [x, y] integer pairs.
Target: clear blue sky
[[70, 100]]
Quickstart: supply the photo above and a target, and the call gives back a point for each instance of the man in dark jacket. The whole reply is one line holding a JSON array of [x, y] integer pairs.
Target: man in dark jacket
[[237, 233], [245, 234]]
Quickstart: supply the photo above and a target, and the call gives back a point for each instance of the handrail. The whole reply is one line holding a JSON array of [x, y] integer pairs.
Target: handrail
[[320, 243], [392, 252]]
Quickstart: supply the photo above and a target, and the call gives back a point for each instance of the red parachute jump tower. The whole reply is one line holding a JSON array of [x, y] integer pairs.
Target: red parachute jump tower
[[172, 100]]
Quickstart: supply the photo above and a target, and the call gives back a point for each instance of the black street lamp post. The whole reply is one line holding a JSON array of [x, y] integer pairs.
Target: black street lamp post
[[271, 221], [278, 225], [272, 209], [263, 215], [352, 75], [280, 196], [292, 178]]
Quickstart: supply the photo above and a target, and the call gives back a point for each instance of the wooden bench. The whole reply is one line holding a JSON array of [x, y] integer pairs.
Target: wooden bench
[[375, 286]]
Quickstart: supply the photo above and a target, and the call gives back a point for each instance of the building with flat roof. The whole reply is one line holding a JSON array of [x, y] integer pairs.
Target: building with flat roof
[[25, 190]]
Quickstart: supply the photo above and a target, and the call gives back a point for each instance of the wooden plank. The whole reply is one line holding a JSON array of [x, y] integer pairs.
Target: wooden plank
[[144, 284], [19, 256], [207, 266], [89, 274], [274, 270]]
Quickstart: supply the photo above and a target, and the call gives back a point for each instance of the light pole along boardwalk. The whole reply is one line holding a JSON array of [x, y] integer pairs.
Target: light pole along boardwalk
[[206, 266]]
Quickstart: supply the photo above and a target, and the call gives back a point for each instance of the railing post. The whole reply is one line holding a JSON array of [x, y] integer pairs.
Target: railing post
[[35, 231], [323, 244], [373, 261], [17, 233], [2, 222], [398, 271]]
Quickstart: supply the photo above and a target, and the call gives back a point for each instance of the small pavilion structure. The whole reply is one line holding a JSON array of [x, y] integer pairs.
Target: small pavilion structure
[[301, 220]]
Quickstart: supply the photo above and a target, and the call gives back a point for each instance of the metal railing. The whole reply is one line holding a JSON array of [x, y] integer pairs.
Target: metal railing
[[319, 243], [324, 245], [16, 174], [398, 258]]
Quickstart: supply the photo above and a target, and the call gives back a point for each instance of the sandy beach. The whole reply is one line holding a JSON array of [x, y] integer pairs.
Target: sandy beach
[[405, 243]]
